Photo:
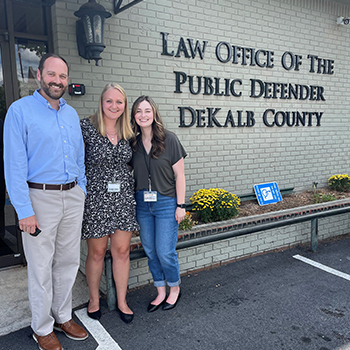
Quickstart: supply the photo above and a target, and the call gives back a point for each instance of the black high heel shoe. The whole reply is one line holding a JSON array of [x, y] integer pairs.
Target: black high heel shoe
[[127, 318], [96, 315], [151, 307], [168, 306]]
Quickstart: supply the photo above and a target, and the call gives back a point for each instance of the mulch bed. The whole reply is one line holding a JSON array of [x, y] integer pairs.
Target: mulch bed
[[294, 200]]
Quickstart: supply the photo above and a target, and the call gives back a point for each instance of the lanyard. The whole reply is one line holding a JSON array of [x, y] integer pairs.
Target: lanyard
[[148, 166]]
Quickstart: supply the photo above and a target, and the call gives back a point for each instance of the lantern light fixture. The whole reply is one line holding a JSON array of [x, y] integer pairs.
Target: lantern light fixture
[[343, 21], [90, 30]]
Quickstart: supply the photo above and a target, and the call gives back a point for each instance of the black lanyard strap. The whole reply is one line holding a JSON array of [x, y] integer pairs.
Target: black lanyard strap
[[148, 166]]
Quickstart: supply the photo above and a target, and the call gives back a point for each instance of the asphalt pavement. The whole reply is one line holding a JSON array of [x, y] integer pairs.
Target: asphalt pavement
[[274, 301]]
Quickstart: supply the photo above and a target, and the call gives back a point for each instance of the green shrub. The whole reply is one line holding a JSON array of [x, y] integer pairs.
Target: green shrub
[[321, 198], [340, 182], [215, 204], [327, 198]]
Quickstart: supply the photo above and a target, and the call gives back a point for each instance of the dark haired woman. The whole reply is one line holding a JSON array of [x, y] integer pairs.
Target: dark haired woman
[[110, 204], [158, 162]]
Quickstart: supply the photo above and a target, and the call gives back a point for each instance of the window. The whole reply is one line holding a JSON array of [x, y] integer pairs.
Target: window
[[2, 15], [28, 55], [29, 19]]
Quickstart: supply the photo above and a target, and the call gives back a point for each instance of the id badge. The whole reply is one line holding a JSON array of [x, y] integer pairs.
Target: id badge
[[114, 186], [150, 196]]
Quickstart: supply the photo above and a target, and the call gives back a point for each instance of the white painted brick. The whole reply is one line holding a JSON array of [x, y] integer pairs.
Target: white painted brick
[[236, 254], [204, 262], [264, 247], [142, 262], [237, 241], [195, 257], [183, 260], [244, 245], [138, 271], [204, 248], [250, 250], [132, 280], [186, 252], [187, 266], [221, 257], [228, 249], [146, 278], [222, 244], [212, 253]]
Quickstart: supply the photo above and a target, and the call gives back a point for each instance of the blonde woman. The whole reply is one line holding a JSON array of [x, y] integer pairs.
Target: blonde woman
[[110, 205]]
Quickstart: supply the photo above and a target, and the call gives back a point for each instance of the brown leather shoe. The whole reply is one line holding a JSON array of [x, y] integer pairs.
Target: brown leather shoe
[[48, 342], [71, 330]]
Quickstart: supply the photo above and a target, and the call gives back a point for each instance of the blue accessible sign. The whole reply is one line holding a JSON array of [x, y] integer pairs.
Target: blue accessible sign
[[267, 193]]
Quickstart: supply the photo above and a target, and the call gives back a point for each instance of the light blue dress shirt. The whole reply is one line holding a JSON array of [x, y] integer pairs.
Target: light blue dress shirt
[[41, 145]]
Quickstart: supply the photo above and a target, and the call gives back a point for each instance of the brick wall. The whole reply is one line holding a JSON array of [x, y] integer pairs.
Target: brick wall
[[234, 158]]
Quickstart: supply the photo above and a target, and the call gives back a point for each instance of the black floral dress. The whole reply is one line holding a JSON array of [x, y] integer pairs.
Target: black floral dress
[[106, 211]]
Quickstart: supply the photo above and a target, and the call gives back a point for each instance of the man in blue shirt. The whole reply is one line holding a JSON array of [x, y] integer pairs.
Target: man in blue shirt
[[45, 179]]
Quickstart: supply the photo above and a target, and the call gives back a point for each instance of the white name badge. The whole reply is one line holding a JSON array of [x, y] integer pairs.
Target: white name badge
[[114, 186], [150, 196]]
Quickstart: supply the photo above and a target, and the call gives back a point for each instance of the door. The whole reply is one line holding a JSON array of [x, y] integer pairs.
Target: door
[[24, 37], [11, 251]]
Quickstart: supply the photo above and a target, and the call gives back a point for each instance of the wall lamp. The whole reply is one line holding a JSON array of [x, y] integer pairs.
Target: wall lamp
[[342, 21], [90, 30]]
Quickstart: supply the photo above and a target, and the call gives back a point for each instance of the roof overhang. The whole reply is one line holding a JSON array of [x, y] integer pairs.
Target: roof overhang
[[346, 2]]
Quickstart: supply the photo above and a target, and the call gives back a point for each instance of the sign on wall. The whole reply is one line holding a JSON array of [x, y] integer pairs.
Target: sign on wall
[[224, 87]]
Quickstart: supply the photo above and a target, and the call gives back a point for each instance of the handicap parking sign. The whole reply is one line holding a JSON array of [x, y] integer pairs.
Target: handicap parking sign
[[267, 193]]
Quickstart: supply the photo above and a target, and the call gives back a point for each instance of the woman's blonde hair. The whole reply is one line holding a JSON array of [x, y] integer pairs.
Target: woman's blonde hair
[[123, 127]]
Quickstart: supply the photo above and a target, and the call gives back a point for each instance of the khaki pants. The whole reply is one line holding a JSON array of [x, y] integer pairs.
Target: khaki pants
[[53, 256]]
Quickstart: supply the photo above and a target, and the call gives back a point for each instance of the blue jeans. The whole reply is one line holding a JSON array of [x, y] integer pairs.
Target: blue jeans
[[158, 233]]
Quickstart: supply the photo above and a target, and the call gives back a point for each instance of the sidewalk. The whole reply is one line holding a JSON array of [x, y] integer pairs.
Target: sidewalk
[[14, 304]]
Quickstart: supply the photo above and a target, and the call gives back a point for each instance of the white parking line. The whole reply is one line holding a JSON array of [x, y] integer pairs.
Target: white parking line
[[102, 337], [323, 267]]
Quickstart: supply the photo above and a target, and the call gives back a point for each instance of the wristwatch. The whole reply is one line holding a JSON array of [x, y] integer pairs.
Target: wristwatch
[[182, 206]]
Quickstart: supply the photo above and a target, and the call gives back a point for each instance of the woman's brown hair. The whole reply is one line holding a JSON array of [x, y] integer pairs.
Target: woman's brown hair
[[158, 131]]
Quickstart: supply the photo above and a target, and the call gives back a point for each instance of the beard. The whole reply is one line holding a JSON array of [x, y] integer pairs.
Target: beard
[[52, 93]]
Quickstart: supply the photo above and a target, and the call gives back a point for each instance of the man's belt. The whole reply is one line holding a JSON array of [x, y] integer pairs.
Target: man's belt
[[63, 187]]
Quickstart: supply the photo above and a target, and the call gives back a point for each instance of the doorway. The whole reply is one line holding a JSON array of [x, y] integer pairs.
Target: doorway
[[25, 35]]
